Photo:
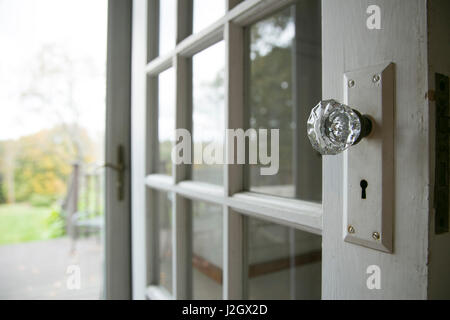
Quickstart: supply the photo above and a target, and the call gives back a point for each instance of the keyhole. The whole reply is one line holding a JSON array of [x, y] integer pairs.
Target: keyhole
[[363, 185]]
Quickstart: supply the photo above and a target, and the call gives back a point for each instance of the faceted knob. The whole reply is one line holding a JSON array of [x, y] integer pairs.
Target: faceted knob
[[334, 127]]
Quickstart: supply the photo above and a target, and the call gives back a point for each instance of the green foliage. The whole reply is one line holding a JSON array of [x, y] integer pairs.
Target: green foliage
[[39, 200], [271, 105], [24, 223], [55, 224], [165, 163], [2, 192], [42, 164], [90, 197]]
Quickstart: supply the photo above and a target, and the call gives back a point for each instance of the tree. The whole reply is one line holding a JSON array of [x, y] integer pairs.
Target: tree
[[2, 176], [51, 94], [42, 162], [270, 97], [8, 168], [51, 89]]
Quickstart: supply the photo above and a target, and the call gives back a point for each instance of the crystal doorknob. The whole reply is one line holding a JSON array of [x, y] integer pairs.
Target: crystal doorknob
[[333, 127]]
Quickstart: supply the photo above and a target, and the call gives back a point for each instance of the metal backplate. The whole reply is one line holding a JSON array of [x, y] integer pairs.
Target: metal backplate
[[368, 216]]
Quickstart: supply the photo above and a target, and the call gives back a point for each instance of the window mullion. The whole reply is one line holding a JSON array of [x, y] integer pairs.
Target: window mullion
[[181, 217], [184, 19], [181, 214], [151, 127], [233, 242]]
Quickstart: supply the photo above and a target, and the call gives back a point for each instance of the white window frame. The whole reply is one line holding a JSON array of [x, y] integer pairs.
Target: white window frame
[[235, 201]]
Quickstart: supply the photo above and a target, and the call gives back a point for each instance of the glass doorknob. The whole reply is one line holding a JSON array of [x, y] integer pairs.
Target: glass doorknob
[[333, 127]]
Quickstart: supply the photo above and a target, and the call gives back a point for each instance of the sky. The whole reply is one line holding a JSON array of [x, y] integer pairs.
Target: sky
[[208, 115], [77, 27]]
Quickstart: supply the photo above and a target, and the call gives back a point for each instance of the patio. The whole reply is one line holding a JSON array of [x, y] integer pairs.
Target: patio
[[37, 270]]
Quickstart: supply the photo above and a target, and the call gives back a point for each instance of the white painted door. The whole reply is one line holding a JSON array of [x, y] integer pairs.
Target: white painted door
[[226, 232], [352, 41]]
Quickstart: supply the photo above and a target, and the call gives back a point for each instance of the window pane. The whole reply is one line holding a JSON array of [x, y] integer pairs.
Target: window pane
[[167, 20], [165, 239], [166, 120], [208, 112], [207, 251], [207, 12], [284, 263], [284, 84]]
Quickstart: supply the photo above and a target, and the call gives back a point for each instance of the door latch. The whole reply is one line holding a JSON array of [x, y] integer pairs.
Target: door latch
[[120, 169]]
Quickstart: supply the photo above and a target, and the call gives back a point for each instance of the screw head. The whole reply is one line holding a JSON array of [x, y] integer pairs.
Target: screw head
[[351, 83], [351, 229], [376, 78], [376, 236]]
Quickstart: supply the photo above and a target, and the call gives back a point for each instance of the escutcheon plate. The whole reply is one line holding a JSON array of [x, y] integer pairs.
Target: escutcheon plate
[[368, 216]]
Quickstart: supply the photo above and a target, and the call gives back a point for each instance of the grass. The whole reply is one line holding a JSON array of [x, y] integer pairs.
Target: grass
[[23, 223]]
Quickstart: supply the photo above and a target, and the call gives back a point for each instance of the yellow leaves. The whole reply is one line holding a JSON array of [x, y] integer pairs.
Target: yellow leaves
[[47, 183], [27, 173], [43, 161]]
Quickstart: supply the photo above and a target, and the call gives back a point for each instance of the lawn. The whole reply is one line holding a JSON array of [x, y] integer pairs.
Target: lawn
[[22, 223]]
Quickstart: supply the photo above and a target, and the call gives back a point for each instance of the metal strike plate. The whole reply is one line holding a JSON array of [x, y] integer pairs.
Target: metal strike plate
[[369, 165]]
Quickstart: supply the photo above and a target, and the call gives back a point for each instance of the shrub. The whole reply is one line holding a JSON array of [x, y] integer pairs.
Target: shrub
[[55, 224], [39, 200], [2, 193]]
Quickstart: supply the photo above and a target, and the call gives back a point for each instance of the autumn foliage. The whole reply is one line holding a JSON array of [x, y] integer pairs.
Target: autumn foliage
[[41, 164]]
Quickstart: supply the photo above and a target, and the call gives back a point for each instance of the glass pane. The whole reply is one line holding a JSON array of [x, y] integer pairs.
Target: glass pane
[[165, 239], [207, 12], [284, 263], [166, 120], [52, 143], [208, 113], [167, 25], [207, 251], [281, 97]]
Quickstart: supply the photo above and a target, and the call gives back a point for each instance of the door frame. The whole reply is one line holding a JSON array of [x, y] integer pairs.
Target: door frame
[[117, 264]]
